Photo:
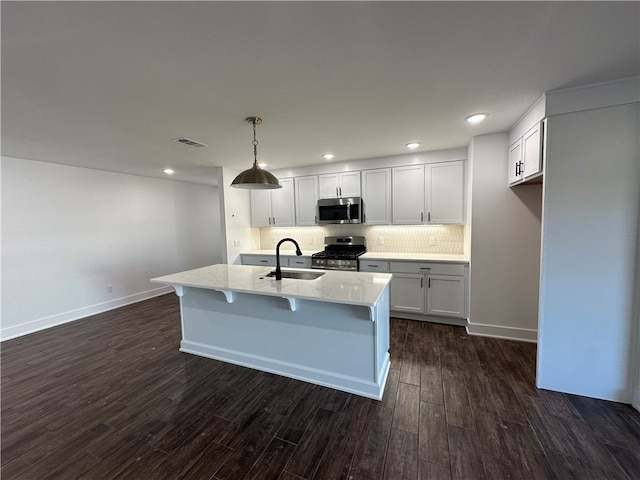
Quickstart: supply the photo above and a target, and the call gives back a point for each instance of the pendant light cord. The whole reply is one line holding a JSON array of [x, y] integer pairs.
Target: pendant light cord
[[255, 145]]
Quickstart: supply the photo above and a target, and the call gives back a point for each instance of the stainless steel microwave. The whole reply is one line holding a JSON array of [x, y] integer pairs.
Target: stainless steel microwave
[[340, 210]]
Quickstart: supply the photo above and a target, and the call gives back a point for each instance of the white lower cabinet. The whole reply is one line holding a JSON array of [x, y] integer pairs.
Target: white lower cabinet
[[292, 261], [266, 260], [445, 295], [407, 293], [420, 290]]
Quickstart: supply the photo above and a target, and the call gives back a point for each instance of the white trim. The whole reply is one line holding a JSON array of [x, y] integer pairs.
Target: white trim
[[507, 333], [457, 322], [434, 156], [635, 402], [589, 97], [72, 315], [295, 371]]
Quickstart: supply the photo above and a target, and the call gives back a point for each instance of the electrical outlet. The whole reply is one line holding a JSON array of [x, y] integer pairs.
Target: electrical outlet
[[236, 243], [432, 241], [109, 288], [380, 240]]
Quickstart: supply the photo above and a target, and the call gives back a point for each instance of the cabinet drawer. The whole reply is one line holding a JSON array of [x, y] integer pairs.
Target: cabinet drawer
[[262, 260], [373, 266], [299, 262], [427, 268]]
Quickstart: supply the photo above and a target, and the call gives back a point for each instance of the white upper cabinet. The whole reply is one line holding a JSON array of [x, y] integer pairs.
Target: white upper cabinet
[[408, 195], [527, 146], [274, 208], [333, 185], [515, 162], [260, 208], [376, 195], [306, 193], [445, 193], [428, 194], [532, 151]]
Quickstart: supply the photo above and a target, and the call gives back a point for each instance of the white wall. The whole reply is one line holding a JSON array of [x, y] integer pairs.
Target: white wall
[[236, 219], [68, 232], [505, 245], [590, 216]]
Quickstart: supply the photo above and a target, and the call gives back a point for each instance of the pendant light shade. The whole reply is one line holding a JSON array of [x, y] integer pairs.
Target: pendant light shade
[[255, 177]]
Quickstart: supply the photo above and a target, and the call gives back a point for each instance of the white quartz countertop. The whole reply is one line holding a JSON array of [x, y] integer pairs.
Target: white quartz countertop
[[398, 256], [352, 288], [286, 253], [415, 257]]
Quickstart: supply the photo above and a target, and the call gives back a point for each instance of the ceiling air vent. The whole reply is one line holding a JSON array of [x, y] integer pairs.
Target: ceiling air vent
[[188, 141]]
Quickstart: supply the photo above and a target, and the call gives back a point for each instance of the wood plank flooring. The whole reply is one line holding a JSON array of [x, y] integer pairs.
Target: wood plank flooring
[[111, 397]]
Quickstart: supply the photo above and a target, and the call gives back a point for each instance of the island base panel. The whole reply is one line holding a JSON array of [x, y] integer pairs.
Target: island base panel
[[333, 345]]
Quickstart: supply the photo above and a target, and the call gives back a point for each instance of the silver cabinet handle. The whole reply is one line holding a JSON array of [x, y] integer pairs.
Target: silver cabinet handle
[[429, 217], [425, 268], [421, 282], [316, 219], [274, 220], [264, 261], [340, 191], [422, 216], [269, 220], [337, 194]]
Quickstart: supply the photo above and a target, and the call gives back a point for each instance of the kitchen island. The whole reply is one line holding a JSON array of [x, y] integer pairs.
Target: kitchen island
[[331, 331]]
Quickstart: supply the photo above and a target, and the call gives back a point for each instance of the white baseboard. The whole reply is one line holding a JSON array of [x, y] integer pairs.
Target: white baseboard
[[635, 401], [508, 333], [316, 376], [65, 317]]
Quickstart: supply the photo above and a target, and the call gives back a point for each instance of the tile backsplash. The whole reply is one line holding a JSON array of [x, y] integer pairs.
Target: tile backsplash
[[387, 238]]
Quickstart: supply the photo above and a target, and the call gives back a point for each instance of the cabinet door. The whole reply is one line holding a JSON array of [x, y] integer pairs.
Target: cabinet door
[[515, 162], [299, 262], [445, 193], [407, 293], [306, 192], [263, 260], [445, 296], [283, 204], [408, 195], [260, 208], [532, 151], [376, 195], [328, 185], [349, 185]]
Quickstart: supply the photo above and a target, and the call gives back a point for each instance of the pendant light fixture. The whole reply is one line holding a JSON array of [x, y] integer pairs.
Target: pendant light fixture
[[255, 177]]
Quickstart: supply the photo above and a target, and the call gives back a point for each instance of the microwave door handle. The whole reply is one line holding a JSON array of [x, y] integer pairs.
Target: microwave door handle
[[349, 211]]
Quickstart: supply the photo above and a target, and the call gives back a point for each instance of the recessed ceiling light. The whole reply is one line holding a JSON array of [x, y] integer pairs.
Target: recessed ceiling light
[[413, 145], [328, 156], [477, 117], [168, 171], [262, 164]]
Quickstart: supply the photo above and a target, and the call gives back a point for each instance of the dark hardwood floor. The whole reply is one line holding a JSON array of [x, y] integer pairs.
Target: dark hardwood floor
[[111, 397]]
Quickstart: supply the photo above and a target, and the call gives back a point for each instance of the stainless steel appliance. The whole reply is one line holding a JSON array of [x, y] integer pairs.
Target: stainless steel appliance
[[340, 253], [340, 210]]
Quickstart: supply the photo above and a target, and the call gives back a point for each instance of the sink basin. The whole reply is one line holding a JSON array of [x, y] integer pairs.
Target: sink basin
[[298, 275]]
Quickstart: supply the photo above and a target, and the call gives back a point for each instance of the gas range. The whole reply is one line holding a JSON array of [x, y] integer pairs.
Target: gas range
[[340, 253]]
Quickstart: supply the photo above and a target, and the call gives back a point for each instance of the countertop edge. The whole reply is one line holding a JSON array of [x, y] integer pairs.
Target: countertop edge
[[390, 256], [166, 280]]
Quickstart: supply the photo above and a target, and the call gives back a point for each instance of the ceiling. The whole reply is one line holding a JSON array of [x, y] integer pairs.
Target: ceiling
[[109, 85]]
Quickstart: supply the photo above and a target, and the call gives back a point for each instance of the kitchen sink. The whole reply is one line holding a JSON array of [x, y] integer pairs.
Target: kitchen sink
[[298, 275]]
